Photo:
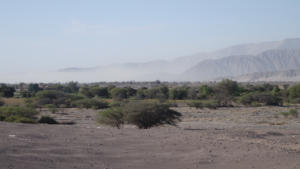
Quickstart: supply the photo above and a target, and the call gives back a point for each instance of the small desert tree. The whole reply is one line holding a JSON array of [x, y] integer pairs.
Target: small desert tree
[[140, 113]]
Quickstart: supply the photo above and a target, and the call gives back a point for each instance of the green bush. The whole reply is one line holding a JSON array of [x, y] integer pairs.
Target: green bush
[[18, 114], [115, 104], [30, 102], [47, 120], [1, 103], [90, 103], [295, 100], [19, 119], [161, 93], [246, 99], [140, 113], [292, 112], [178, 93], [118, 93], [113, 117], [294, 92], [6, 91], [227, 87], [52, 108], [51, 97], [263, 98], [199, 104], [100, 92], [146, 115], [204, 92]]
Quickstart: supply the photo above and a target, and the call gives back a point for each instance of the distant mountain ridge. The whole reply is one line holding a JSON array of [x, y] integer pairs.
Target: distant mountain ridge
[[268, 61], [232, 61]]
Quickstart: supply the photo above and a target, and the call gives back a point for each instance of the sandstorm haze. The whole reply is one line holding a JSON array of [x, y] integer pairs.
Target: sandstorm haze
[[90, 41]]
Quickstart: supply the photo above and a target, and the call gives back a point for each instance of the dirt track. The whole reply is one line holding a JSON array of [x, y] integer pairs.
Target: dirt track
[[232, 138]]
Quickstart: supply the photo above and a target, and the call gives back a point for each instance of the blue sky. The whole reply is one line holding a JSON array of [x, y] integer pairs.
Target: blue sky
[[49, 35]]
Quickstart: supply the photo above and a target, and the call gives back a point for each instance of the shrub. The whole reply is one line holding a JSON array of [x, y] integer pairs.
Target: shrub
[[204, 92], [30, 102], [1, 103], [264, 98], [211, 104], [146, 115], [115, 104], [18, 114], [160, 93], [246, 99], [47, 120], [295, 101], [19, 119], [100, 92], [294, 92], [90, 103], [113, 117], [6, 91], [85, 91], [34, 88], [178, 93], [52, 108], [171, 103], [50, 97], [292, 112], [228, 88], [140, 113], [119, 93]]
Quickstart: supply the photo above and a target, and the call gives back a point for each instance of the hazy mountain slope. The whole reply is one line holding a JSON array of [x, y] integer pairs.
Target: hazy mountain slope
[[244, 49], [172, 69], [288, 75], [273, 60]]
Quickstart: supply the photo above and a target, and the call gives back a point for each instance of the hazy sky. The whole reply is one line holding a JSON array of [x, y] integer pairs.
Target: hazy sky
[[54, 34]]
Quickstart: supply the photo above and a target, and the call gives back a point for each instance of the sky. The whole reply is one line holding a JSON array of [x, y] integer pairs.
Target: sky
[[41, 35]]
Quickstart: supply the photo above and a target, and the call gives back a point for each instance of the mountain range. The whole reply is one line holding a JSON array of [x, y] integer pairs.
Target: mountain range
[[266, 61]]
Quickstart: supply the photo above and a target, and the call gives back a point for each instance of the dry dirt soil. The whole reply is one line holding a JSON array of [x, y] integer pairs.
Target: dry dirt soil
[[226, 138]]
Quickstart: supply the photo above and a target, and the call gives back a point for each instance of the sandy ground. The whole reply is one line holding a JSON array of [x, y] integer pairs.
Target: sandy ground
[[226, 138]]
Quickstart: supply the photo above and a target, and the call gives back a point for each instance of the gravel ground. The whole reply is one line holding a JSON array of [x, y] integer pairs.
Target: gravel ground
[[226, 138]]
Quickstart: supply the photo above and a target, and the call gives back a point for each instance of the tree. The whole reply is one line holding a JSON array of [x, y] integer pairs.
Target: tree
[[161, 92], [86, 92], [100, 92], [72, 87], [146, 115], [142, 114], [141, 93], [50, 97], [228, 87], [131, 91], [34, 88], [204, 92], [119, 93], [6, 91], [294, 92], [178, 93]]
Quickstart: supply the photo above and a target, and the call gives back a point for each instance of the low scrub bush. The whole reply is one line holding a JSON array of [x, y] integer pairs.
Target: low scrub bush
[[18, 114], [295, 101], [113, 117], [199, 104], [256, 99], [142, 114], [1, 103], [52, 108], [292, 112], [115, 103], [146, 115], [19, 119], [47, 120], [90, 103]]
